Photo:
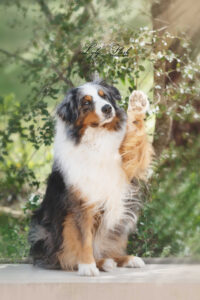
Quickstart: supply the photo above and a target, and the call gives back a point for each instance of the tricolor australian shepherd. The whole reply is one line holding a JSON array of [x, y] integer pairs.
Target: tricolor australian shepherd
[[91, 202]]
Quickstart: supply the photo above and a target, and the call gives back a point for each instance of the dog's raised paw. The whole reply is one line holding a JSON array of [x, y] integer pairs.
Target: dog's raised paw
[[138, 102], [134, 262], [88, 270], [109, 265]]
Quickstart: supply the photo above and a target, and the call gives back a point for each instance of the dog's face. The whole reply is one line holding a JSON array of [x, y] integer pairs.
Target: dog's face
[[92, 104]]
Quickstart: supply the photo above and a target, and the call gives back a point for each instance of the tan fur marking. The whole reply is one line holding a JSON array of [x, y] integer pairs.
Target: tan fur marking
[[112, 125], [122, 260], [90, 119], [70, 253], [136, 150], [97, 220], [87, 249], [87, 98], [100, 263], [101, 93], [77, 244]]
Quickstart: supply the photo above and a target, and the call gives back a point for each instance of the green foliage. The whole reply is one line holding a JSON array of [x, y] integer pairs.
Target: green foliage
[[13, 238], [70, 41], [32, 204], [170, 222], [65, 52], [14, 231]]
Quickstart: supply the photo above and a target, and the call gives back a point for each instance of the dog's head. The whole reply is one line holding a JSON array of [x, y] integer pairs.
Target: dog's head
[[92, 104]]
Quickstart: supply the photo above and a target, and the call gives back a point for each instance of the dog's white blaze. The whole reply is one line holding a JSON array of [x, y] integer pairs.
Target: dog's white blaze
[[94, 168]]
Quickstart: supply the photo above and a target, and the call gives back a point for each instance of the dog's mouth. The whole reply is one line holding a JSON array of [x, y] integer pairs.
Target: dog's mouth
[[109, 116], [94, 124], [107, 119]]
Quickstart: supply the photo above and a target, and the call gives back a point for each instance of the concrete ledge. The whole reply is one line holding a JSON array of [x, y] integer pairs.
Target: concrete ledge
[[156, 282], [147, 260]]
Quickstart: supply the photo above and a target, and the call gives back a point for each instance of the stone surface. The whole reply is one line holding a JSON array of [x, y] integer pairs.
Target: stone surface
[[163, 282]]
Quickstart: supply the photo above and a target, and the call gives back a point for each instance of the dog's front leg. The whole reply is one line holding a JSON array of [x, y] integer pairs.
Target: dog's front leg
[[136, 149], [77, 250], [86, 264]]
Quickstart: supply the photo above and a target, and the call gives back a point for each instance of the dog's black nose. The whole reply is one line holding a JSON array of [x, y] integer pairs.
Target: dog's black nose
[[106, 109]]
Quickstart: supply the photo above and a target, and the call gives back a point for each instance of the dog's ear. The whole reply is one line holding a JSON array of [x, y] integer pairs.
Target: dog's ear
[[113, 91], [67, 110]]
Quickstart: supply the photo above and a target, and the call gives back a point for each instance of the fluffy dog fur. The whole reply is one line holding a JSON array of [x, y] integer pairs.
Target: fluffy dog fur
[[90, 205]]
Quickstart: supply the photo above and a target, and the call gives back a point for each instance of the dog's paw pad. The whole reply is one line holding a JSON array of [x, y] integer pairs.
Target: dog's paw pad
[[109, 265], [134, 262], [138, 102], [88, 270]]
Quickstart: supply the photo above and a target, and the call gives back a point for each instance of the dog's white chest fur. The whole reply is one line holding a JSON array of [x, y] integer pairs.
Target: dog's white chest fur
[[93, 167]]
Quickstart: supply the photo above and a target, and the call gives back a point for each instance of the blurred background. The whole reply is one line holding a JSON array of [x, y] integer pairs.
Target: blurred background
[[47, 47]]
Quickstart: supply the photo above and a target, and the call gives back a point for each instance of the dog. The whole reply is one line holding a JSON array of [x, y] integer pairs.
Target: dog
[[91, 203]]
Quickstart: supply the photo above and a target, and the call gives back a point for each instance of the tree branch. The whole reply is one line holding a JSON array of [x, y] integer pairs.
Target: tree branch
[[62, 77], [15, 55], [46, 11], [60, 74]]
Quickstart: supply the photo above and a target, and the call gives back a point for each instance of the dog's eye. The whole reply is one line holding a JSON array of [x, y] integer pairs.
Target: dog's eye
[[86, 103]]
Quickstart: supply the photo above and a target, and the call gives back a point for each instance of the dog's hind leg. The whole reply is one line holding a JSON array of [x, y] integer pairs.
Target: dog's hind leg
[[129, 261], [106, 264]]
